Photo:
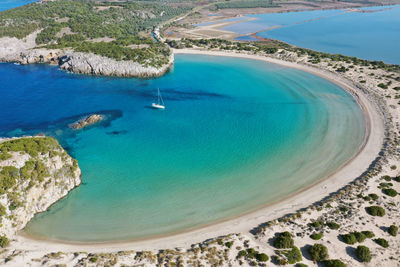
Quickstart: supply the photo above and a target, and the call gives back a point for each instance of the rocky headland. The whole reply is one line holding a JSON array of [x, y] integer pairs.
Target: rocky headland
[[24, 51], [35, 172]]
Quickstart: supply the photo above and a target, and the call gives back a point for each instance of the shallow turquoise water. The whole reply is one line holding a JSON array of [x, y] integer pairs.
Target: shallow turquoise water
[[374, 36], [236, 135]]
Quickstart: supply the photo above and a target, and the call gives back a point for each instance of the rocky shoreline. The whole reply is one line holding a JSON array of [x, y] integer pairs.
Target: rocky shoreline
[[42, 177], [24, 52]]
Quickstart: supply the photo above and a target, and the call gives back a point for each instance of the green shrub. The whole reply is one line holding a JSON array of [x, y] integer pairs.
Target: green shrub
[[294, 255], [386, 178], [359, 236], [317, 224], [368, 234], [2, 210], [334, 263], [318, 252], [363, 254], [301, 265], [93, 259], [284, 240], [382, 242], [384, 185], [375, 211], [373, 196], [241, 254], [343, 208], [4, 242], [382, 85], [390, 192], [316, 236], [262, 257], [393, 229], [333, 225], [229, 244], [349, 239], [251, 253], [397, 179]]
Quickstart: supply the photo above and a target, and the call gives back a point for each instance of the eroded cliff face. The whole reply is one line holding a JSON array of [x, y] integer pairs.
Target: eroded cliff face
[[35, 172], [23, 52]]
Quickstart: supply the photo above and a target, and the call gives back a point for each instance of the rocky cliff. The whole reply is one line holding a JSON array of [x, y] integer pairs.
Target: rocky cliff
[[23, 52], [35, 172]]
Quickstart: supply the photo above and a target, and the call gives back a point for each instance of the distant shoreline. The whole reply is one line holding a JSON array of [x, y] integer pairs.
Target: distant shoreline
[[243, 223]]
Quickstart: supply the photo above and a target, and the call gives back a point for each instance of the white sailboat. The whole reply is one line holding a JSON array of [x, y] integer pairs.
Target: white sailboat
[[160, 102]]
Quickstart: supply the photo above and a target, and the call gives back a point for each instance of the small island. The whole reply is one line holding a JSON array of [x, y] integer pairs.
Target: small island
[[89, 120]]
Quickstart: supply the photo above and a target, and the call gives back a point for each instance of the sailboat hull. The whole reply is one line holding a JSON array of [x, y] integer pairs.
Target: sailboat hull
[[157, 106]]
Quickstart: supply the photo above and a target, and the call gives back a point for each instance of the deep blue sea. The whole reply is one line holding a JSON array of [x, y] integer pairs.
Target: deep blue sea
[[7, 4], [374, 35], [236, 134]]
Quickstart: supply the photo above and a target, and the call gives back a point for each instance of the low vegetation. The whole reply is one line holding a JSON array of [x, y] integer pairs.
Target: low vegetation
[[334, 263], [316, 236], [393, 229], [246, 4], [363, 254], [74, 24], [333, 225], [375, 211], [283, 240], [390, 192], [318, 252], [251, 253], [382, 242]]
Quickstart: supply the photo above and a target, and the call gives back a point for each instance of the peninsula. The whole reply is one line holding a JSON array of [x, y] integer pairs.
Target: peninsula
[[349, 218]]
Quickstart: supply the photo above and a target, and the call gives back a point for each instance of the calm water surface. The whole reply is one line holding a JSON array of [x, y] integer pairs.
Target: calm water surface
[[7, 4], [374, 35], [236, 135]]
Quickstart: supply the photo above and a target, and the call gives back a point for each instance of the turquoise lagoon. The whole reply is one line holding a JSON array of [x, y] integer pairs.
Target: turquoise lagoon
[[372, 35], [236, 135]]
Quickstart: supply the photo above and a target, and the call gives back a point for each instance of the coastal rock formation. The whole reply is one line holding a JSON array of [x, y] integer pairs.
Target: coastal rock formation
[[23, 52], [92, 119], [35, 172], [88, 63]]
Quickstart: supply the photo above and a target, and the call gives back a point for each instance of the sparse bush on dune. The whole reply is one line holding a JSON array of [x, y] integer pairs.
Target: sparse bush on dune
[[318, 252], [363, 254], [334, 263], [393, 229], [382, 242], [375, 211], [284, 240], [349, 239], [316, 236], [333, 225], [390, 192], [4, 242]]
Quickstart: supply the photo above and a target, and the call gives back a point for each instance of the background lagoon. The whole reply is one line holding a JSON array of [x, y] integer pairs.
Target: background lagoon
[[371, 35]]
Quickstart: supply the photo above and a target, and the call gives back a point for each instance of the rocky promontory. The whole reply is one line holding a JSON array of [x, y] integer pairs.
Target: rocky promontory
[[35, 172], [24, 52]]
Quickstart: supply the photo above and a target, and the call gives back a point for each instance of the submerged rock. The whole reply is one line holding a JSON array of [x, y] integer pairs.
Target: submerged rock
[[92, 119]]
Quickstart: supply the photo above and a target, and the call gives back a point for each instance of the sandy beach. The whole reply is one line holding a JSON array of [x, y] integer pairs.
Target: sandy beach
[[243, 224]]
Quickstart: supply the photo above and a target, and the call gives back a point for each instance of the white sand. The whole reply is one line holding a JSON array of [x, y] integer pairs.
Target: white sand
[[353, 168]]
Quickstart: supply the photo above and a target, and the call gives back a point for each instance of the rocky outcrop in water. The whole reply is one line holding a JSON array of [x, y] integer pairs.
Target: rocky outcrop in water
[[35, 173], [92, 119]]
